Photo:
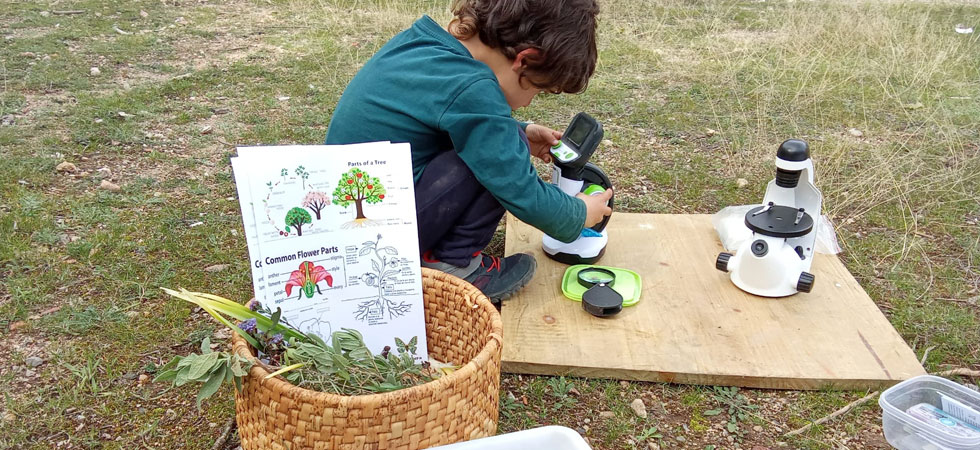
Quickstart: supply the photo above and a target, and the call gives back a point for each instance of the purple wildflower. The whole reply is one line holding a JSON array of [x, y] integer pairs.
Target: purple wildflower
[[249, 326], [255, 305], [275, 339]]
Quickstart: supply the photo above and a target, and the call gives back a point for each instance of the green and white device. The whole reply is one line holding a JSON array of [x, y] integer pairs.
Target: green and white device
[[573, 173]]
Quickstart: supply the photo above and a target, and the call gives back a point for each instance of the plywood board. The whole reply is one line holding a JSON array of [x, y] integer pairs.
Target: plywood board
[[693, 326]]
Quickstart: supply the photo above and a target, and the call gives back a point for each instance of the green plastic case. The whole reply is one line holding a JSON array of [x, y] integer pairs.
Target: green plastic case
[[628, 283]]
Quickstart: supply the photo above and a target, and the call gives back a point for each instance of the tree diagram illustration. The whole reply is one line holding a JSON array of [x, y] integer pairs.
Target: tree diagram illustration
[[358, 187], [384, 267], [296, 218], [316, 201]]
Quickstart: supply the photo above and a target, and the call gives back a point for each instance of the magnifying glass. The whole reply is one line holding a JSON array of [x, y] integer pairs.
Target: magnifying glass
[[600, 299]]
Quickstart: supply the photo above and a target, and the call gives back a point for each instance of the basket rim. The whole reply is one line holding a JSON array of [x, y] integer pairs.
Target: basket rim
[[493, 346]]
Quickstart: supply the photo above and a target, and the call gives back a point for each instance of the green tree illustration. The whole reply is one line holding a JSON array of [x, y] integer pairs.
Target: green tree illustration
[[303, 175], [357, 186], [295, 218]]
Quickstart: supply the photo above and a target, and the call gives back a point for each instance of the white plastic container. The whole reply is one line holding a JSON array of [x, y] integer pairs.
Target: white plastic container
[[943, 415], [552, 437]]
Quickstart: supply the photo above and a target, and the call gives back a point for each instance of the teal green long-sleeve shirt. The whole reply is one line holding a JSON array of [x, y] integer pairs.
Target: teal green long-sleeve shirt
[[424, 87]]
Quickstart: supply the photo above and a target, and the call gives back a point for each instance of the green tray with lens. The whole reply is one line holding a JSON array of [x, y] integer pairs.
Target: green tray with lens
[[628, 283]]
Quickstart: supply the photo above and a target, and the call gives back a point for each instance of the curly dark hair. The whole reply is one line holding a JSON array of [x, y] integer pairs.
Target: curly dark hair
[[563, 31]]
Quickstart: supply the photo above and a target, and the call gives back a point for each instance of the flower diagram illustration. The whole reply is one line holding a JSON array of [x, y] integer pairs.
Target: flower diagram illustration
[[307, 278], [384, 266]]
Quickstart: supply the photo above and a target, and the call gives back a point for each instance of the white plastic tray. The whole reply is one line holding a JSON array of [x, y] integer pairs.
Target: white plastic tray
[[552, 437]]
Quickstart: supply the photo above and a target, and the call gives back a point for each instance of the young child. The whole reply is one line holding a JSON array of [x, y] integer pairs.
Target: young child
[[450, 93]]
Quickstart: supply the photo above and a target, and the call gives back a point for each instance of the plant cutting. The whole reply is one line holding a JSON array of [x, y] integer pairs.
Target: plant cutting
[[344, 366]]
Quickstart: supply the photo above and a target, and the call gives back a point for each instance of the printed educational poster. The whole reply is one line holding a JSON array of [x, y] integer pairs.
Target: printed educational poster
[[332, 238]]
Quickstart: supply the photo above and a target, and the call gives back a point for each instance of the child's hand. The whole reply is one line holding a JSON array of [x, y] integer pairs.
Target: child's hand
[[595, 206], [541, 139]]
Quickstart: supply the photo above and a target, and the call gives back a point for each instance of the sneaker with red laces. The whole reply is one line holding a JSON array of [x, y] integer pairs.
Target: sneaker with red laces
[[498, 279]]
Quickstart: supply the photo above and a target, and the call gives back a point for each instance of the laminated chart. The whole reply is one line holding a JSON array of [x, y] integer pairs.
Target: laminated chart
[[332, 238]]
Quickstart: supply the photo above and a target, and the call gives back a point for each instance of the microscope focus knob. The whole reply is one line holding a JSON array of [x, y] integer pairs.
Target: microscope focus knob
[[722, 262], [806, 282]]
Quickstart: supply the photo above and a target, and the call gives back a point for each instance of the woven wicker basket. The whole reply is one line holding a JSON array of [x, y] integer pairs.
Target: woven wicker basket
[[462, 327]]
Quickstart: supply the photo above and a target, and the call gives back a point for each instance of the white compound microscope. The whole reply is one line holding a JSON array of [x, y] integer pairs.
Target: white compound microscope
[[776, 260]]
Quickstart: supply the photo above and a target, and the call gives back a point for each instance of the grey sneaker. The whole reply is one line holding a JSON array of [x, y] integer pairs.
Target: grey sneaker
[[498, 279]]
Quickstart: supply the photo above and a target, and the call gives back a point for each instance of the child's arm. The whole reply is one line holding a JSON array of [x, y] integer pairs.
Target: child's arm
[[487, 139]]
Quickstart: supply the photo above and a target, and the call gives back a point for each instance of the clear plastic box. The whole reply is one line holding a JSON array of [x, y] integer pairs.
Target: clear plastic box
[[552, 437], [906, 420]]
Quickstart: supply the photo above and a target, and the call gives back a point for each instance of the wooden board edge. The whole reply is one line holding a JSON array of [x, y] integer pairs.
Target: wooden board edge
[[779, 383]]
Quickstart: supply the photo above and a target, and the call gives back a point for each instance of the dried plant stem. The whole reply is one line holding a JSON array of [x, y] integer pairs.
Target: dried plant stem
[[834, 414]]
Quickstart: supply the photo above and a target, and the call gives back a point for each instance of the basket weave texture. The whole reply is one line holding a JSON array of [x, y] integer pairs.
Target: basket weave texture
[[462, 327]]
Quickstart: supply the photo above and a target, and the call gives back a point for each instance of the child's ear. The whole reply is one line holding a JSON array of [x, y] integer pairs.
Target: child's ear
[[519, 60]]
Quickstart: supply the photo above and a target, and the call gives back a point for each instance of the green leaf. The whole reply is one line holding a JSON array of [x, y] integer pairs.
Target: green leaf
[[284, 370], [732, 426], [712, 412], [275, 317], [206, 345], [211, 385], [201, 365]]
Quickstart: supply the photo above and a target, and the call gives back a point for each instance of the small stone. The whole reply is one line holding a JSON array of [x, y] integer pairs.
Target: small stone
[[181, 21], [607, 415], [216, 268], [66, 167], [98, 120], [653, 446], [212, 425], [109, 186], [125, 115], [757, 429], [709, 132], [624, 384], [144, 14], [580, 430], [741, 183], [33, 361], [222, 333], [94, 71], [129, 376], [28, 54], [282, 98], [639, 408], [855, 132], [607, 142], [29, 373], [144, 378], [681, 439], [45, 13], [207, 130], [587, 420], [7, 120]]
